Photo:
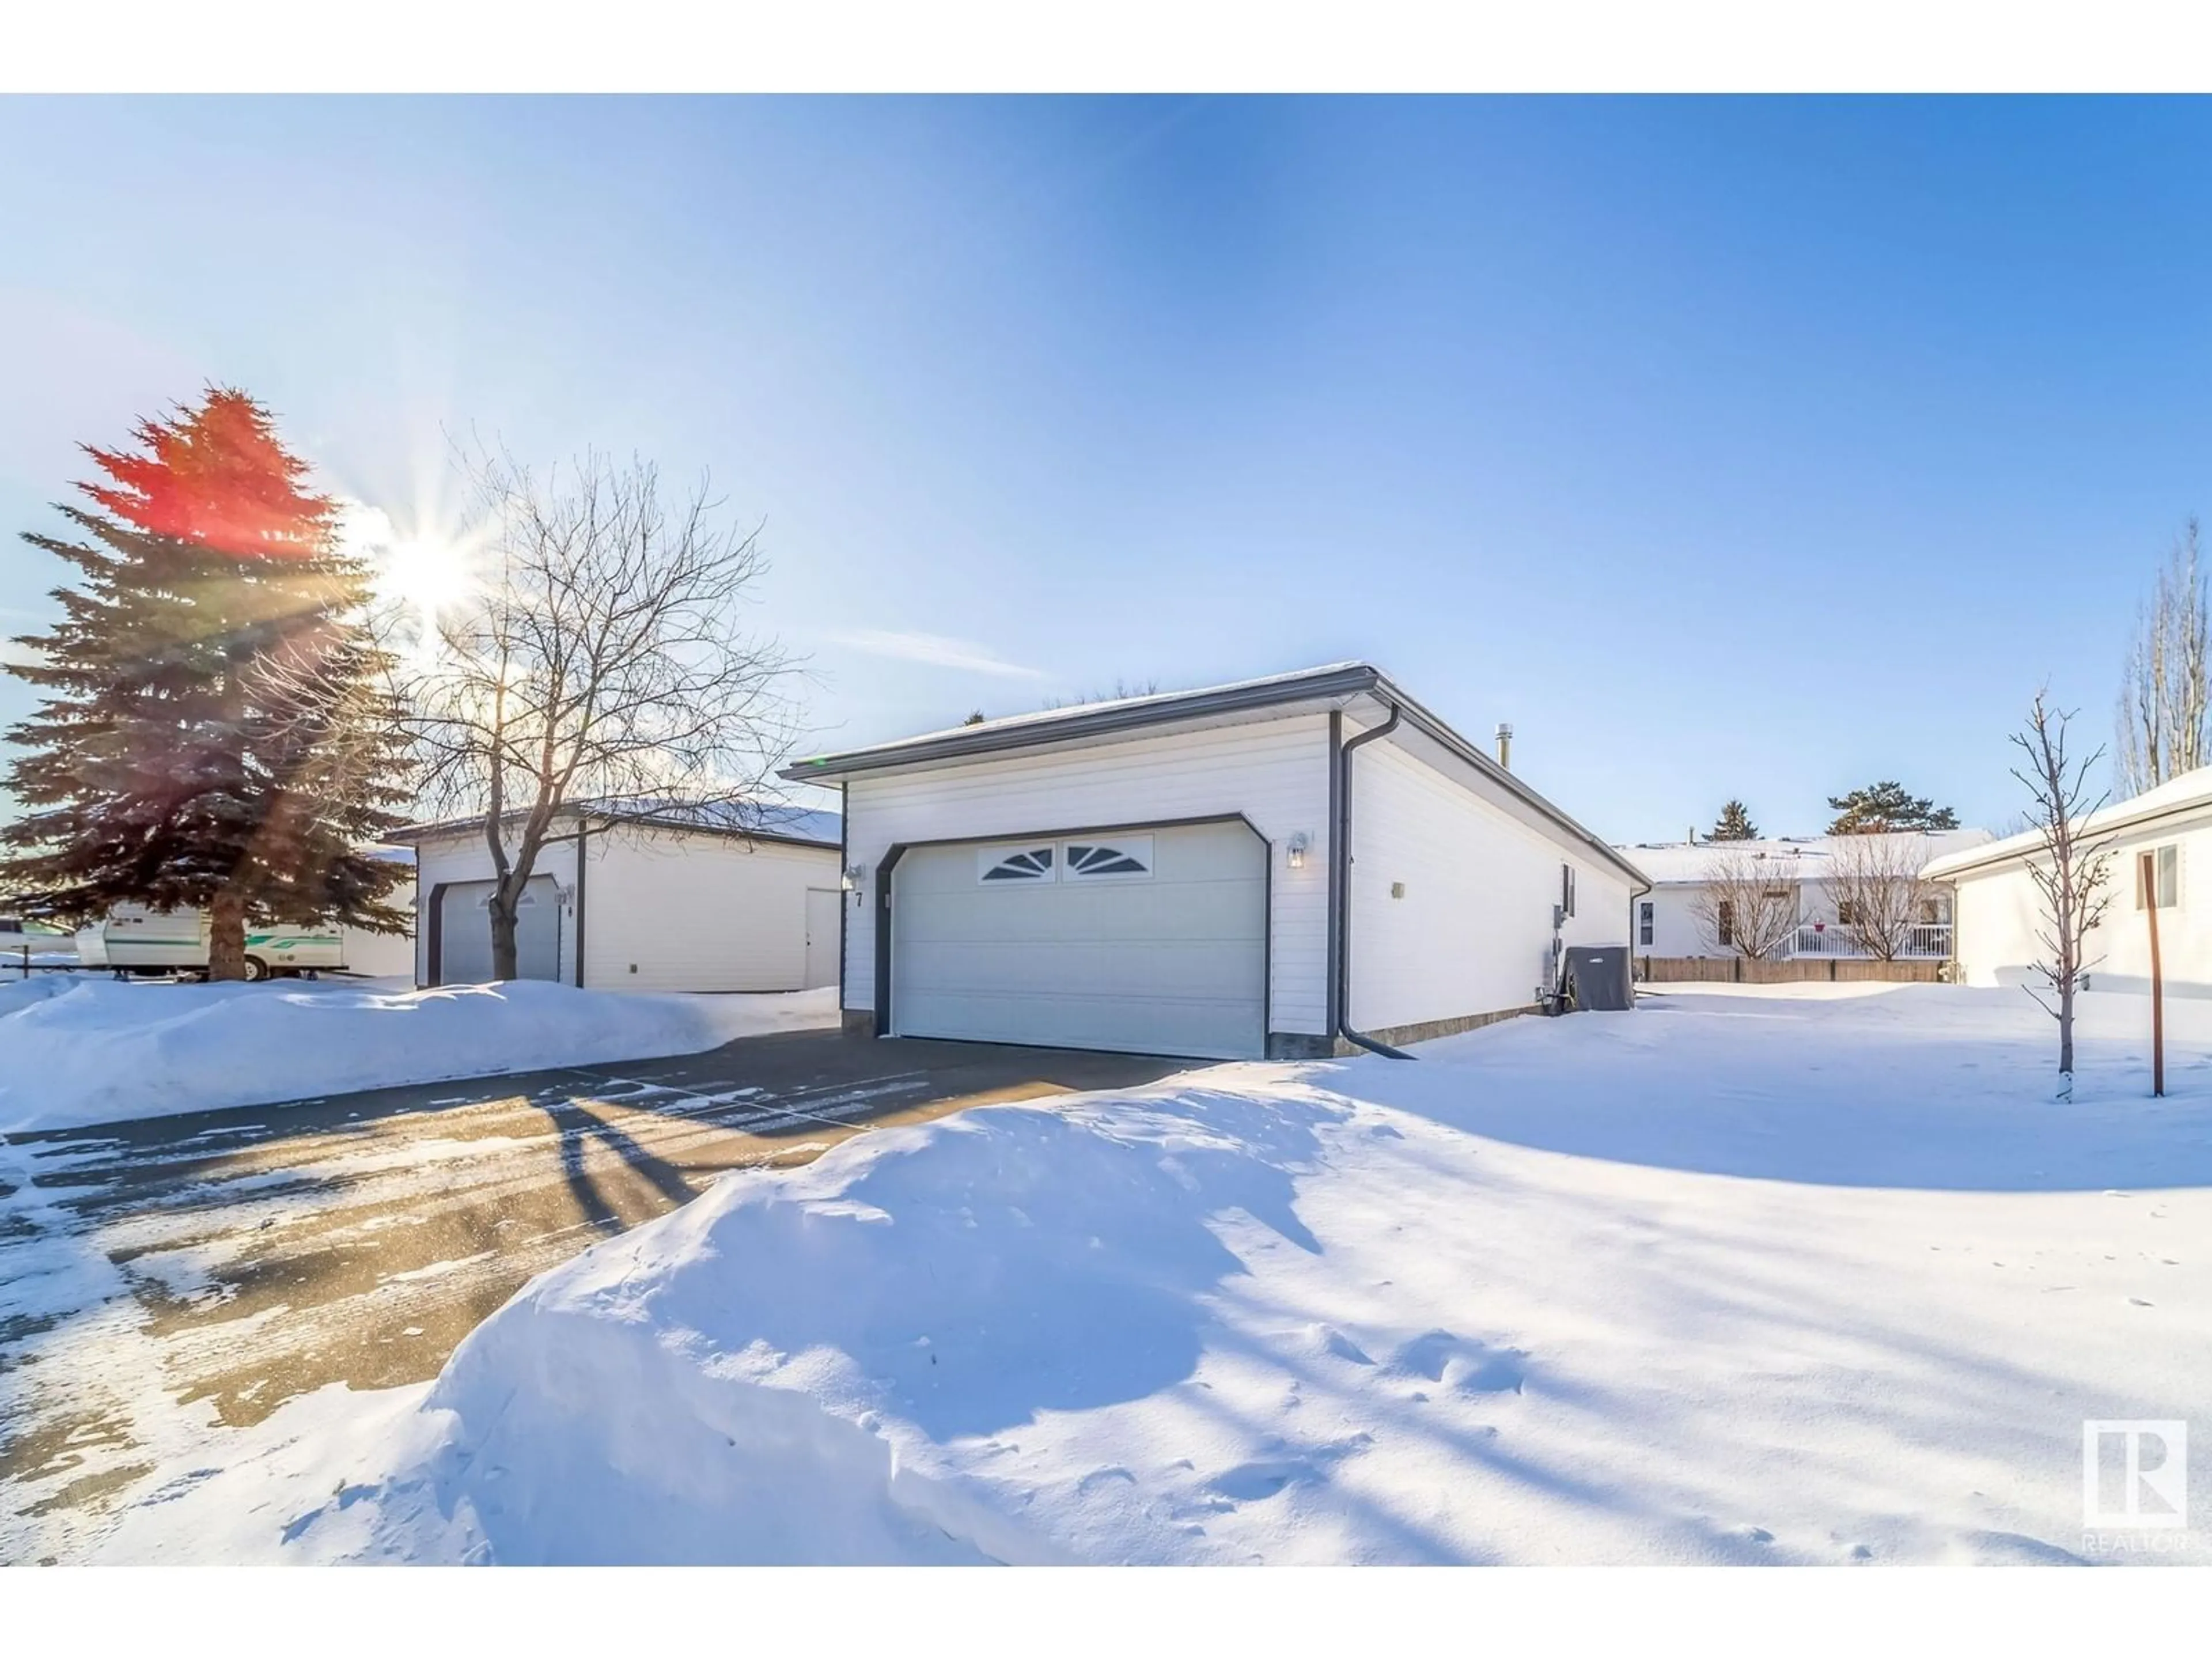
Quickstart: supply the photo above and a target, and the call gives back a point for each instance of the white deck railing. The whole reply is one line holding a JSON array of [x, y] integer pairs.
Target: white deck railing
[[1927, 940]]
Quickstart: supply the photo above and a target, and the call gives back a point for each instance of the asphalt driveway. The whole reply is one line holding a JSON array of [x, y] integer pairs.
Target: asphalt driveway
[[157, 1274]]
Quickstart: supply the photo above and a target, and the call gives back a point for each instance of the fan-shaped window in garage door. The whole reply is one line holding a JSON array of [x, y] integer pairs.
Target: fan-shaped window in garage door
[[1127, 856], [1031, 863]]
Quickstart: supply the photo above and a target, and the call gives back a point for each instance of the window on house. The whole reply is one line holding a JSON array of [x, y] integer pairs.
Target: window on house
[[1644, 923], [1129, 856], [1724, 923], [1566, 889], [2165, 875], [1845, 913], [1031, 863]]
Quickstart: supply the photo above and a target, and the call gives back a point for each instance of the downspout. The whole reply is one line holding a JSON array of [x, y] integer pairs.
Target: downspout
[[1342, 854], [583, 863], [844, 909], [1636, 933], [581, 836]]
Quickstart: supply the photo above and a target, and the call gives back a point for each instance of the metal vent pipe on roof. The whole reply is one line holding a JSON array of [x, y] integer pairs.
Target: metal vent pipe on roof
[[1505, 746]]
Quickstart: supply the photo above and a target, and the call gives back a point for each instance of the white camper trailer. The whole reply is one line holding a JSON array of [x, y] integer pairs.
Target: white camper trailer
[[136, 941]]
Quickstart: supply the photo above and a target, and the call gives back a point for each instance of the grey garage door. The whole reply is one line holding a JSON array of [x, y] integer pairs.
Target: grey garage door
[[464, 932], [1153, 942]]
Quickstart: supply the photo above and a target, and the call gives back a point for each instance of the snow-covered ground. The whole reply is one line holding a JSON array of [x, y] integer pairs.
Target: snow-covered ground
[[97, 1051], [1742, 1276]]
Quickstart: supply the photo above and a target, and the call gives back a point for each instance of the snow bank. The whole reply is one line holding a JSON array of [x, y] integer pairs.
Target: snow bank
[[100, 1051], [1728, 1279], [23, 992]]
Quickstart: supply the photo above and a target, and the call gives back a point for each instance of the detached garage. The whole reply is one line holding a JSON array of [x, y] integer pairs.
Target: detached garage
[[654, 898], [1292, 867]]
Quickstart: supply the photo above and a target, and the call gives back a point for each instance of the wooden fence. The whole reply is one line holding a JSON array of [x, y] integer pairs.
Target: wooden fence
[[1750, 970]]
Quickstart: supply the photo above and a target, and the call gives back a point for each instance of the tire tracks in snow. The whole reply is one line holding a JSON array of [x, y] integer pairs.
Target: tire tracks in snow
[[150, 1295]]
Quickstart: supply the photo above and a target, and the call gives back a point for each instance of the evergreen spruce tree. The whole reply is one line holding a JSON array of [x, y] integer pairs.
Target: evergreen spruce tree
[[1733, 825], [1884, 806], [212, 735]]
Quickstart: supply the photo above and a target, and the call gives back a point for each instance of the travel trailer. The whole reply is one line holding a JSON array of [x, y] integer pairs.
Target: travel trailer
[[136, 941]]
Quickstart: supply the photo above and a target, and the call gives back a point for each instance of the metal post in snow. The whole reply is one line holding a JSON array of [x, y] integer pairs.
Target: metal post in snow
[[2149, 879]]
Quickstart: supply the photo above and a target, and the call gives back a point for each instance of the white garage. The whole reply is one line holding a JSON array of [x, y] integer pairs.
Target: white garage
[[1292, 867], [657, 896], [1154, 940]]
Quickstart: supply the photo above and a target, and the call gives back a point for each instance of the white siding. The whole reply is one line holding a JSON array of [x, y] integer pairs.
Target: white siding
[[695, 913], [698, 912], [463, 858], [1274, 772], [1679, 930], [1676, 928], [1473, 932], [1999, 912]]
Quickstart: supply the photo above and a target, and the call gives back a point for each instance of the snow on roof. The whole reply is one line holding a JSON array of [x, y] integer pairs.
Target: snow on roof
[[1799, 858], [1080, 712], [773, 819], [2191, 792]]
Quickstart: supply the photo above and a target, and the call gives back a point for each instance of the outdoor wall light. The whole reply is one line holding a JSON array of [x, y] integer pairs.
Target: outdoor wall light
[[855, 875], [1295, 850]]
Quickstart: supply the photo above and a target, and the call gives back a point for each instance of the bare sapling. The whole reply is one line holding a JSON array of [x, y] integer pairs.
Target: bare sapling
[[2071, 869]]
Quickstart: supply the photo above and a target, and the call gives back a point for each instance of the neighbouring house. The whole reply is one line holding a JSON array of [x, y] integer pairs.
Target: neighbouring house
[[1282, 866], [663, 896], [2000, 911], [1684, 915]]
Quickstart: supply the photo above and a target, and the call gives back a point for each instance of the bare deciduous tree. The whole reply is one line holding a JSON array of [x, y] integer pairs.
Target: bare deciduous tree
[[1747, 903], [2072, 873], [2166, 691], [1875, 881], [601, 661]]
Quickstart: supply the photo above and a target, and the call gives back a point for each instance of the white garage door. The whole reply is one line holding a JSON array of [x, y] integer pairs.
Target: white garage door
[[1153, 942], [465, 931]]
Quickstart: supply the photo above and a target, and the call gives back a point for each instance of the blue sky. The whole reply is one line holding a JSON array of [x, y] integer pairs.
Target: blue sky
[[1752, 447]]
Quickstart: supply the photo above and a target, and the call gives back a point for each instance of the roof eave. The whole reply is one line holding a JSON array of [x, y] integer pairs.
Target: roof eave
[[1337, 685], [1107, 719], [413, 834], [1978, 859]]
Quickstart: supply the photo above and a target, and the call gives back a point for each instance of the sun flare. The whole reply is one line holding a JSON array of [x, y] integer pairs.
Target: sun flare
[[425, 576], [430, 578]]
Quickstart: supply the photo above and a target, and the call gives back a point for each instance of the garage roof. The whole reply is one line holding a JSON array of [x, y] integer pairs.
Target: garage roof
[[757, 820], [1332, 686]]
